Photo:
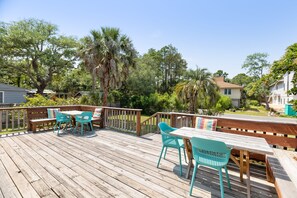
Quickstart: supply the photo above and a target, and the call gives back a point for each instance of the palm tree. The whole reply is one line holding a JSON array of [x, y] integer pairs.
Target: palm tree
[[107, 54], [198, 89]]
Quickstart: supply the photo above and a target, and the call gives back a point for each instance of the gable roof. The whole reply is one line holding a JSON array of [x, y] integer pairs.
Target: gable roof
[[223, 85], [5, 87]]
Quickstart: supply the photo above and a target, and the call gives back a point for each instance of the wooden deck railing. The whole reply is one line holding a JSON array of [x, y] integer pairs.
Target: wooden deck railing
[[13, 119], [150, 125], [123, 119], [278, 134]]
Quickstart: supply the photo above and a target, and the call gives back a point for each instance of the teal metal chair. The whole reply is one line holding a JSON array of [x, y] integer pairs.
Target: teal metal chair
[[170, 142], [82, 119], [62, 119], [210, 153]]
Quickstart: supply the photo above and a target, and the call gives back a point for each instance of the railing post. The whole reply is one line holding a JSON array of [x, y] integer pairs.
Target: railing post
[[172, 119], [138, 123]]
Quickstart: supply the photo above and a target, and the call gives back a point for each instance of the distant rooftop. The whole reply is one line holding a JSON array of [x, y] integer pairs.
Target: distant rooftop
[[222, 84]]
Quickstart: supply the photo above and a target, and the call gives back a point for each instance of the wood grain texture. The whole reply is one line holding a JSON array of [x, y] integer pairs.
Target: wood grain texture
[[110, 164]]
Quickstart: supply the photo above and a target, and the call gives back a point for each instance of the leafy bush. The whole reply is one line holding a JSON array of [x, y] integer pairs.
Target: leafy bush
[[39, 100], [223, 103], [253, 103]]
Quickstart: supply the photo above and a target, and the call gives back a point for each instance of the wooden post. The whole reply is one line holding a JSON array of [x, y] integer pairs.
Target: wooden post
[[172, 119], [138, 123]]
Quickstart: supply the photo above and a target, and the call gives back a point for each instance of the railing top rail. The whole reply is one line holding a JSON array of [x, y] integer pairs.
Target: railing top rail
[[117, 108], [13, 108], [240, 119]]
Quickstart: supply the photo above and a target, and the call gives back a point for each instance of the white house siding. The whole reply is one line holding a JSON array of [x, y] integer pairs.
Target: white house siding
[[279, 90], [235, 96]]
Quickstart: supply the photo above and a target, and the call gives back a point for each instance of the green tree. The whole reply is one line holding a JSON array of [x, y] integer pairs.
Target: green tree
[[73, 81], [169, 66], [260, 88], [287, 64], [199, 90], [33, 48], [108, 54], [221, 73], [256, 65], [241, 79]]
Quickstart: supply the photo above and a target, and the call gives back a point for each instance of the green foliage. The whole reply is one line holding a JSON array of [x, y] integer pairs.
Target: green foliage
[[288, 63], [223, 103], [253, 103], [198, 91], [256, 64], [32, 50], [221, 73], [39, 100], [241, 79], [108, 55], [72, 81]]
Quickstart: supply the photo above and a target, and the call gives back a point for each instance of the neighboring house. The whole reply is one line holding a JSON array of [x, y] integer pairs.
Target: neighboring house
[[229, 89], [279, 95], [11, 94]]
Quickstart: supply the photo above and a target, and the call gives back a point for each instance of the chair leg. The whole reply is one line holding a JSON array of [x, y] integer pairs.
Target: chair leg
[[227, 176], [92, 127], [59, 126], [82, 129], [193, 178], [180, 163], [165, 153], [221, 183], [160, 156], [185, 155], [55, 127], [76, 125]]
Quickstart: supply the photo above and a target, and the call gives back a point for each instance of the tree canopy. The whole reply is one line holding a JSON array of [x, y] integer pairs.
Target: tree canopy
[[108, 55], [32, 48], [288, 63]]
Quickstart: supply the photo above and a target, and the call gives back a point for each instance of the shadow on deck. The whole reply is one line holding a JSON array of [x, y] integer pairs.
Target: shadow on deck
[[107, 164]]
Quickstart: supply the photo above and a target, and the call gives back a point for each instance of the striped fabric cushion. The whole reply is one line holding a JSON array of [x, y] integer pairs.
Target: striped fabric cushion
[[51, 113], [97, 113], [207, 124]]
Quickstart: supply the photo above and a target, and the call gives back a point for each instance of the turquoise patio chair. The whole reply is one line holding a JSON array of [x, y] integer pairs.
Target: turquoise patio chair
[[213, 154], [62, 119], [82, 119], [171, 142]]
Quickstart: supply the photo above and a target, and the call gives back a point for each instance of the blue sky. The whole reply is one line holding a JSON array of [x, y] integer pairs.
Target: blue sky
[[214, 34]]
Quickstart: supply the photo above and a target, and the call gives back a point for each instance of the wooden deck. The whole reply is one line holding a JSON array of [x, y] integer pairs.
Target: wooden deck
[[107, 164]]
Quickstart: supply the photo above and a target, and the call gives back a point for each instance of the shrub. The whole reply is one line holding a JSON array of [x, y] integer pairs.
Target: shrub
[[253, 103], [39, 100], [223, 103]]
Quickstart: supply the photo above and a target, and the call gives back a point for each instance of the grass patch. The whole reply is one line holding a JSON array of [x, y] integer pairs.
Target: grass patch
[[253, 110]]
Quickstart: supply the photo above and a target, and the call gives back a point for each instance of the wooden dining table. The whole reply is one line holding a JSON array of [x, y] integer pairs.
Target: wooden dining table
[[245, 144], [72, 113]]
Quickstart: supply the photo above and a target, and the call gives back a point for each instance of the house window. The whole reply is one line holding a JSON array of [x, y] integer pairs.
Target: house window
[[1, 97], [227, 91]]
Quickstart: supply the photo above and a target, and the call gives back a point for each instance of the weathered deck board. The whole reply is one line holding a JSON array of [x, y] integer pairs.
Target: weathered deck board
[[109, 164]]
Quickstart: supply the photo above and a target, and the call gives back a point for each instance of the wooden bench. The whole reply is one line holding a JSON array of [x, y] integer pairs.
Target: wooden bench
[[281, 169], [34, 123]]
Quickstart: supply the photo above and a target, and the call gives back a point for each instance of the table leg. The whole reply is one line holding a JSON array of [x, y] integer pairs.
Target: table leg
[[188, 148], [248, 184], [241, 165]]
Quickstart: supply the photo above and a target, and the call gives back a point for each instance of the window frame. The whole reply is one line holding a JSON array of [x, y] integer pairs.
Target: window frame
[[3, 101]]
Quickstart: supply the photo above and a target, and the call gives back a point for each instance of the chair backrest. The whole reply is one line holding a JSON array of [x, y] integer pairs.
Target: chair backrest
[[165, 128], [207, 124], [62, 117], [212, 148], [85, 116], [165, 131]]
